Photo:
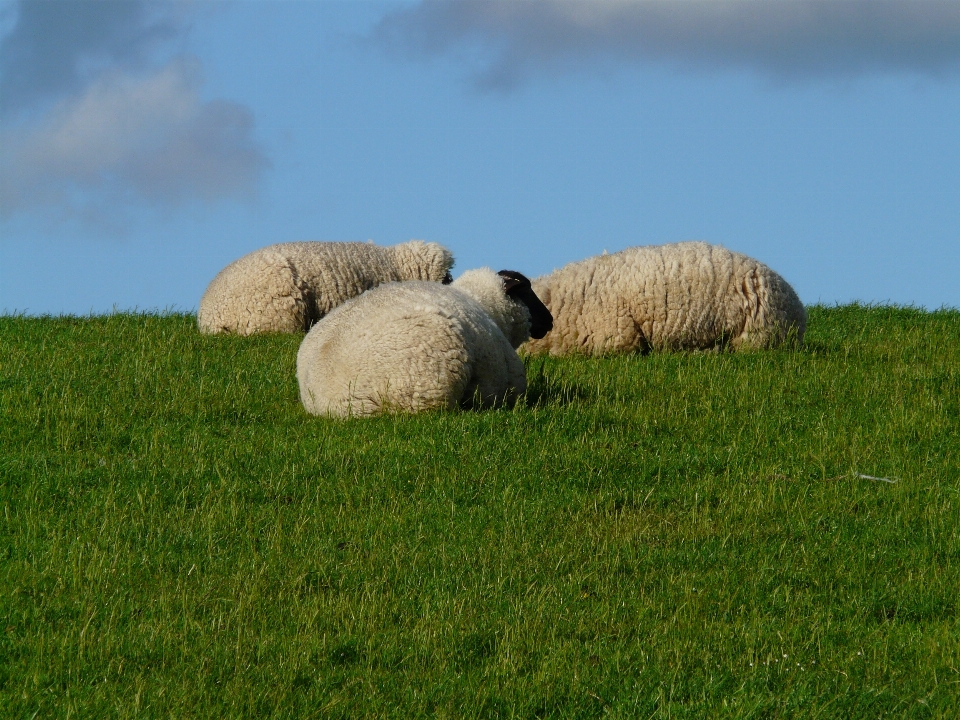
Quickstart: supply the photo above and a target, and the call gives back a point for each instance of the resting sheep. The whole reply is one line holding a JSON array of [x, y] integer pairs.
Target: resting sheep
[[683, 296], [414, 346], [289, 286]]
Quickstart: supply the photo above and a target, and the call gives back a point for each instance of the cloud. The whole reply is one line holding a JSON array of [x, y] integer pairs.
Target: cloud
[[98, 115], [56, 47], [149, 137], [509, 39]]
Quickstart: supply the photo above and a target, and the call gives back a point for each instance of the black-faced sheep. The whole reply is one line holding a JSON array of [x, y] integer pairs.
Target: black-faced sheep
[[414, 346]]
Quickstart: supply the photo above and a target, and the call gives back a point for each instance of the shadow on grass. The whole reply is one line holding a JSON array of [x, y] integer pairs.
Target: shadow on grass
[[547, 388]]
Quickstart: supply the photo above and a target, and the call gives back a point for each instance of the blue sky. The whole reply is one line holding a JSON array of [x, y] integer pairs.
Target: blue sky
[[143, 146]]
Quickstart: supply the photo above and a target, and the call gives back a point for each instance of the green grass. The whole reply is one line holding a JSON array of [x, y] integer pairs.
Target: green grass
[[680, 535]]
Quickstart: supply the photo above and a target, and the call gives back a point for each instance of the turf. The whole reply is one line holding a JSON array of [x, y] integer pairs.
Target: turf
[[680, 535]]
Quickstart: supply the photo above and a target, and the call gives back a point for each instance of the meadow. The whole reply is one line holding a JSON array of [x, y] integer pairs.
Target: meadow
[[692, 535]]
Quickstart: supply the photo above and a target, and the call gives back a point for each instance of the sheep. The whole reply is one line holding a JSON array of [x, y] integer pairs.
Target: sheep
[[289, 286], [682, 296], [414, 346]]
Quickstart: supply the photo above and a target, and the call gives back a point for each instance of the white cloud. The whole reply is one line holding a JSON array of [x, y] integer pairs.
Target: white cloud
[[100, 114], [780, 37], [128, 136]]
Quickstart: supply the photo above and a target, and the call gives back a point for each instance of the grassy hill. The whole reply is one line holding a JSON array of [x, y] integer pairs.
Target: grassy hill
[[686, 535]]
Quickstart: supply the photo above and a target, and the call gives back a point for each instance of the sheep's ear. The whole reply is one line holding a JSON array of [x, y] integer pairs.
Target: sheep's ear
[[510, 284], [513, 280]]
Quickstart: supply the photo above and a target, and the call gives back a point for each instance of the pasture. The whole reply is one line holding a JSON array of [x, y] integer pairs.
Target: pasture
[[768, 534]]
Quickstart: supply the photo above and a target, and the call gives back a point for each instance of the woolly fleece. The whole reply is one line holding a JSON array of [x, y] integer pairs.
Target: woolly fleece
[[682, 296], [289, 286], [416, 346]]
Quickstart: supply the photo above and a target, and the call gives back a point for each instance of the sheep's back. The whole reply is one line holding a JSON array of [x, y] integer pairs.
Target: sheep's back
[[679, 295], [403, 346], [689, 295], [338, 271]]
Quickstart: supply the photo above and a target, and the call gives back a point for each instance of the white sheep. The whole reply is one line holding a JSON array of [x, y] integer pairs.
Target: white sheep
[[289, 286], [683, 296], [414, 346]]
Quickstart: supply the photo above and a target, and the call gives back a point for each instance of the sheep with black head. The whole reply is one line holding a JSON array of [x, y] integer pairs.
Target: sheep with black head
[[415, 346]]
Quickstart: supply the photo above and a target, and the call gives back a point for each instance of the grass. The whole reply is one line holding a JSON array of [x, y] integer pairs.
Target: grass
[[682, 535]]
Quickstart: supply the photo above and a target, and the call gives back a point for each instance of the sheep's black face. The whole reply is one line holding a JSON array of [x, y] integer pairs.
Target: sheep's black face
[[447, 279], [518, 287]]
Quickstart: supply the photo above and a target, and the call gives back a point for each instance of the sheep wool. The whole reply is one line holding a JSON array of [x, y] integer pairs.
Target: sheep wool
[[289, 286], [682, 296], [415, 346]]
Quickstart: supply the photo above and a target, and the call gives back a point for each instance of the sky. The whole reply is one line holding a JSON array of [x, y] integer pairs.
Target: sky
[[145, 145]]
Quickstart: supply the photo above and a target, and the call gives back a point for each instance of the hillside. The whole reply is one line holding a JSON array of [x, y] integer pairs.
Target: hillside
[[690, 535]]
